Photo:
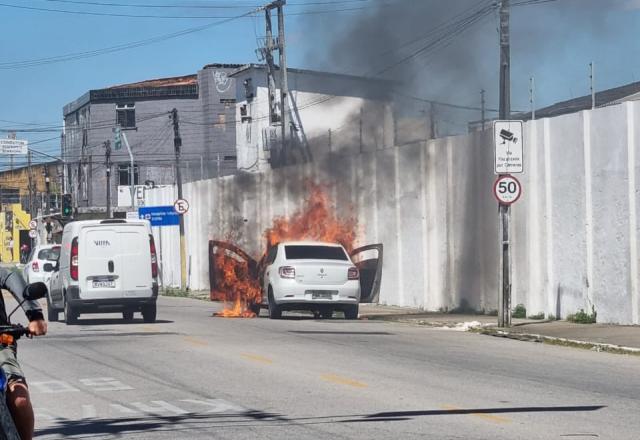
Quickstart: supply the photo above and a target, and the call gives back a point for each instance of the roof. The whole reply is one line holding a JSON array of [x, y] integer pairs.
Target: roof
[[176, 87], [160, 82], [223, 66], [628, 92], [247, 67]]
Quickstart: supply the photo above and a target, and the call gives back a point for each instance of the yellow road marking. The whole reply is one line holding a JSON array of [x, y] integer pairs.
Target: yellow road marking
[[343, 380], [257, 358], [488, 417], [195, 341], [148, 328]]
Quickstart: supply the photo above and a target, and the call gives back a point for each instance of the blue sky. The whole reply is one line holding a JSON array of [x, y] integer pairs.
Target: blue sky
[[37, 94]]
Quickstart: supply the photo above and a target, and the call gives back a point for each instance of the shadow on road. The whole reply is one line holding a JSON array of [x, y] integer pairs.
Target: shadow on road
[[321, 332], [118, 321], [253, 418]]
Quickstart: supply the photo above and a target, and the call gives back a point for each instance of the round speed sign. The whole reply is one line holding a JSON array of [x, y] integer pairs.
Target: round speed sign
[[507, 189]]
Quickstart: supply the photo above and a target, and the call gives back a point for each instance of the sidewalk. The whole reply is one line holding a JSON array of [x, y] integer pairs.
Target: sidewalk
[[597, 337]]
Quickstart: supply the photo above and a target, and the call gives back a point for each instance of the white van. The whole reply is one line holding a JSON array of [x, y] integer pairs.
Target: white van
[[105, 266]]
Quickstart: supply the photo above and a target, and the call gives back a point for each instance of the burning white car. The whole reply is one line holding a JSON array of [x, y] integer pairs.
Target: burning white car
[[307, 275]]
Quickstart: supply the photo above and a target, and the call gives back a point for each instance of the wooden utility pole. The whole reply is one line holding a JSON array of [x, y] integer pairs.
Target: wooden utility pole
[[432, 121], [532, 97], [177, 144], [482, 109], [107, 155], [504, 296], [592, 81]]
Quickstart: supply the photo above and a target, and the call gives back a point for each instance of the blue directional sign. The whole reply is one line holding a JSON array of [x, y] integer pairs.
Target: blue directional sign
[[159, 215]]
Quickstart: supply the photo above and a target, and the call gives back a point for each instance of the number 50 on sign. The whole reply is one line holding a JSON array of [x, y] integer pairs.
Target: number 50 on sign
[[507, 189]]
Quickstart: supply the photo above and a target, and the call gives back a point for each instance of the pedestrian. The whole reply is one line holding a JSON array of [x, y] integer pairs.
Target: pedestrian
[[24, 253]]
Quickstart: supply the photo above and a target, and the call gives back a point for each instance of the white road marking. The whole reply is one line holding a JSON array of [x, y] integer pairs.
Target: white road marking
[[88, 412], [216, 405], [159, 407], [52, 387], [105, 384]]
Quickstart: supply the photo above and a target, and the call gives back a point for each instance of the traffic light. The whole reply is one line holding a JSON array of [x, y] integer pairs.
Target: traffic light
[[117, 138], [67, 207]]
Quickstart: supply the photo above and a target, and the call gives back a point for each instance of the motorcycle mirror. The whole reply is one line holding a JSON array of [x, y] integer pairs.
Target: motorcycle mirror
[[35, 291]]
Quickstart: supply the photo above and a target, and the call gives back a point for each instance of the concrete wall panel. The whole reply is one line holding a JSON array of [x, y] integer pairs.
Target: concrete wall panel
[[575, 230]]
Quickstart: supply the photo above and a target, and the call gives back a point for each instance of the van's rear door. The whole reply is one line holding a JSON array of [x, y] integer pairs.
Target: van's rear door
[[114, 261]]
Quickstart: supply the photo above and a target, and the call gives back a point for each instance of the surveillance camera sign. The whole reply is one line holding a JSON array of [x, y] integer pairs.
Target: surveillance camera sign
[[507, 136]]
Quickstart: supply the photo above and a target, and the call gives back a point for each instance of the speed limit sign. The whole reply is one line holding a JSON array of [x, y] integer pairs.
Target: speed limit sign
[[507, 189]]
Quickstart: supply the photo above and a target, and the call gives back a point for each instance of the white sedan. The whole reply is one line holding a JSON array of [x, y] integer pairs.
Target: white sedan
[[314, 276], [33, 270]]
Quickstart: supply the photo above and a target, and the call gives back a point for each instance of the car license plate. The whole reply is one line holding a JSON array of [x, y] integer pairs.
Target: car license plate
[[101, 284], [322, 294]]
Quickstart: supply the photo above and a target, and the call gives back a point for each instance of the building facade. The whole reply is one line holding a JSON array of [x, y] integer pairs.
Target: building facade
[[205, 104], [330, 112]]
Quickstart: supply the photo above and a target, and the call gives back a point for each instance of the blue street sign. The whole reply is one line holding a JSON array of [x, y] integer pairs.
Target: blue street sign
[[159, 215]]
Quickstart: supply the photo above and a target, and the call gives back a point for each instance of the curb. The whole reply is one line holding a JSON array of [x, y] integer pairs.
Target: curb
[[551, 340]]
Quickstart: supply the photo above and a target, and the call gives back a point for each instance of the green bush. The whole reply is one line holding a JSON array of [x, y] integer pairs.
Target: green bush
[[519, 312], [582, 317]]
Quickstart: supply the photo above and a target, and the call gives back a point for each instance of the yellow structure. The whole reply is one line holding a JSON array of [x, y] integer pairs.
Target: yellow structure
[[18, 178], [13, 235]]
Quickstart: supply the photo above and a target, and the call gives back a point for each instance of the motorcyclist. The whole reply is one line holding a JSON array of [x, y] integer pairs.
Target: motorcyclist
[[18, 399]]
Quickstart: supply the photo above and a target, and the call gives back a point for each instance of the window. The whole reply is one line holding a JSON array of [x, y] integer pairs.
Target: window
[[271, 256], [126, 115], [51, 254], [124, 174], [307, 252]]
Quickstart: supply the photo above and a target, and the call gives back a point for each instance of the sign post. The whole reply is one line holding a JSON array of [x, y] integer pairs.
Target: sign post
[[509, 158], [159, 215]]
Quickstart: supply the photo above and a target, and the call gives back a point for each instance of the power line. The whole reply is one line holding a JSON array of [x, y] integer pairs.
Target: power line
[[234, 6], [119, 47], [173, 17]]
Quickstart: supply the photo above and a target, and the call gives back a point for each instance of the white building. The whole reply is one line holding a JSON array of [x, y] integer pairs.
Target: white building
[[333, 112]]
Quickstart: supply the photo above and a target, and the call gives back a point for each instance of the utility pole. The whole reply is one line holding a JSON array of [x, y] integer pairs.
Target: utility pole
[[31, 195], [432, 121], [504, 296], [532, 97], [107, 156], [361, 141], [284, 155], [177, 144], [284, 82], [47, 187], [592, 80], [482, 109]]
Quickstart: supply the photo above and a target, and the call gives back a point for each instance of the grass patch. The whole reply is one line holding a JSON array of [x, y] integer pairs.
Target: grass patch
[[519, 312], [582, 317], [174, 292], [539, 316]]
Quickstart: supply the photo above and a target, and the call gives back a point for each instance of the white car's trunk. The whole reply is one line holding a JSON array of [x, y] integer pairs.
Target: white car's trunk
[[320, 272]]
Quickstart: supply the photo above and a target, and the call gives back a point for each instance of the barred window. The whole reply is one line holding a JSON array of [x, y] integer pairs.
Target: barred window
[[126, 115]]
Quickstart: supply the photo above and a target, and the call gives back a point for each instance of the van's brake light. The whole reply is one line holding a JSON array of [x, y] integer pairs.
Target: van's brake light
[[73, 266]]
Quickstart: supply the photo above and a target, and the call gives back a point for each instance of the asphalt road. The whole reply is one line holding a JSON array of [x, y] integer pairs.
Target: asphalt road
[[194, 376]]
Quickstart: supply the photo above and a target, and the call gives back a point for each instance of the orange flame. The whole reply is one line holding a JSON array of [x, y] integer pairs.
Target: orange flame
[[316, 221]]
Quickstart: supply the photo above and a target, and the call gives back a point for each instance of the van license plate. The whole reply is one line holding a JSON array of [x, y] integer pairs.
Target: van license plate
[[101, 284]]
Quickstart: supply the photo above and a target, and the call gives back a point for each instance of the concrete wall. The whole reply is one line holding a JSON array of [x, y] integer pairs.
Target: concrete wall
[[575, 228]]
